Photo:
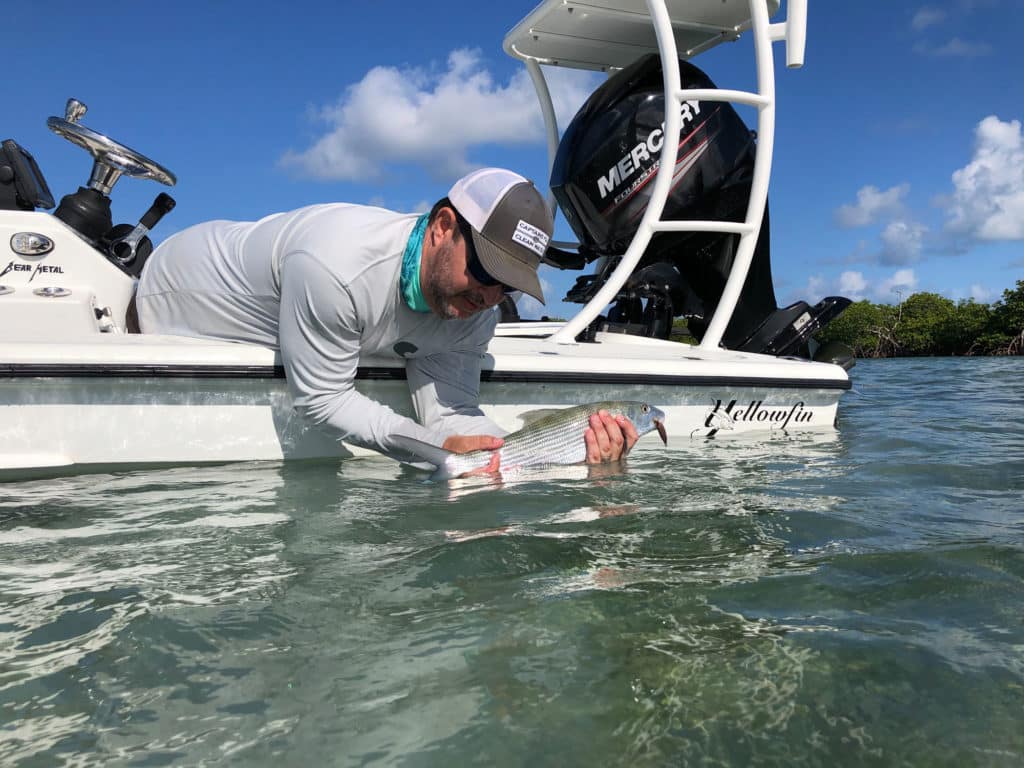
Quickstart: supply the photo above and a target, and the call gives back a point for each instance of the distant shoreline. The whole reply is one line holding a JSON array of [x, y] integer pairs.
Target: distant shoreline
[[930, 325]]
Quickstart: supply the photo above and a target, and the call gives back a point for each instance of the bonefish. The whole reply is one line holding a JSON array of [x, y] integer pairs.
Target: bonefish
[[549, 437]]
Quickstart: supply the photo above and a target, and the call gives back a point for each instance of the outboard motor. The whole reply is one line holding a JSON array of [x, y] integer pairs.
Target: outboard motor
[[602, 179]]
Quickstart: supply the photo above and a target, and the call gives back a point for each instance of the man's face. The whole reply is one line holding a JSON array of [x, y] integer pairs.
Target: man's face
[[450, 290]]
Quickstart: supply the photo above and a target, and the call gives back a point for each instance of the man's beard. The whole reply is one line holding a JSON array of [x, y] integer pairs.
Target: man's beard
[[439, 285]]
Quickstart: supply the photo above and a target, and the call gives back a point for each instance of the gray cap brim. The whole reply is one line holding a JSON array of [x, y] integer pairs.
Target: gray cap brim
[[508, 267]]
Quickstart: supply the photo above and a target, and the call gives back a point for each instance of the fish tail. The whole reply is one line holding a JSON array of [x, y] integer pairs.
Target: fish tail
[[418, 450]]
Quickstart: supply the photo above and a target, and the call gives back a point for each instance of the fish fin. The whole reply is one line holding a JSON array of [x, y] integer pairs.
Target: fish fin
[[529, 417], [417, 450]]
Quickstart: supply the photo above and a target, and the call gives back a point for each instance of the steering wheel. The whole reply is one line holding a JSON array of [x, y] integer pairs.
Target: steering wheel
[[111, 160]]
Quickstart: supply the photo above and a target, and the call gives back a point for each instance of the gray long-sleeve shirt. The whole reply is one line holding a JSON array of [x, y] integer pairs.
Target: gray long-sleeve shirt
[[322, 285]]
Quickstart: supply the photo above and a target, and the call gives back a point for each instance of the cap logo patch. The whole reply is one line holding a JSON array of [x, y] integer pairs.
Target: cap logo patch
[[533, 238]]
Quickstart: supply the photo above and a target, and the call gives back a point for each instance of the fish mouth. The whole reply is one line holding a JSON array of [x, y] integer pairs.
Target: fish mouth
[[660, 426]]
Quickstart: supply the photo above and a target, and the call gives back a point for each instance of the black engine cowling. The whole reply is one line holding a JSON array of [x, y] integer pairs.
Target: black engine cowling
[[604, 169], [602, 179]]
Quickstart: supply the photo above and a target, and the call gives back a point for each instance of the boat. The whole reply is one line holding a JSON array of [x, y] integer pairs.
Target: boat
[[81, 392]]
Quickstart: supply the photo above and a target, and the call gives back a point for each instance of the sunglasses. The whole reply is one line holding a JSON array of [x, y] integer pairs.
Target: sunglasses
[[476, 269]]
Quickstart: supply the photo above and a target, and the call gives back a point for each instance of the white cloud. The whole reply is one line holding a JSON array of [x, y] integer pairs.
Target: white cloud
[[926, 17], [379, 201], [988, 197], [901, 242], [852, 284], [902, 282], [954, 48], [981, 294], [855, 286], [816, 286], [872, 205], [902, 238], [432, 119]]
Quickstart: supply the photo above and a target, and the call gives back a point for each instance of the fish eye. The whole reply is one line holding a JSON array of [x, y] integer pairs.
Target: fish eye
[[645, 408]]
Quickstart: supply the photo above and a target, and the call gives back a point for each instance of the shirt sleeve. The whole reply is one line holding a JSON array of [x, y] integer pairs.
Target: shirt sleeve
[[445, 387], [320, 340]]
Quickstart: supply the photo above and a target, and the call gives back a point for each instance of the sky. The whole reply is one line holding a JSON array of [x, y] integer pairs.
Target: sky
[[898, 164]]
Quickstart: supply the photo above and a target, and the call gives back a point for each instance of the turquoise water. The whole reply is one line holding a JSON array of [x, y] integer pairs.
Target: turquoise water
[[852, 599]]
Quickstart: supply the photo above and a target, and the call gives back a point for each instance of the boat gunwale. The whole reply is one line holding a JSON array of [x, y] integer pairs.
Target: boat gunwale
[[397, 373]]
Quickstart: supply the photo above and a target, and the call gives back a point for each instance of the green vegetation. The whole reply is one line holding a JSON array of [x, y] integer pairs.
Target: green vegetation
[[929, 324]]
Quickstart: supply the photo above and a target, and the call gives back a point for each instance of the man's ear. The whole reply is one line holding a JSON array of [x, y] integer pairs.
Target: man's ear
[[444, 223]]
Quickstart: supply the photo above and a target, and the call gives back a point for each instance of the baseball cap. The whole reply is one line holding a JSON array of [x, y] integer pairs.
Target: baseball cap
[[510, 222]]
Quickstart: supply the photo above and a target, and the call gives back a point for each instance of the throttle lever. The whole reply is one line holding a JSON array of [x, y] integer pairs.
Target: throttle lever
[[124, 249]]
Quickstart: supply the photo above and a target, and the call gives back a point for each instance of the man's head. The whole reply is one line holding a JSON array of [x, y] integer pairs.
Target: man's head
[[486, 238]]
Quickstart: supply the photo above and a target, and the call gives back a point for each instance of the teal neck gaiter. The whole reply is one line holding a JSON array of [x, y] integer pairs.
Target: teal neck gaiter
[[410, 280]]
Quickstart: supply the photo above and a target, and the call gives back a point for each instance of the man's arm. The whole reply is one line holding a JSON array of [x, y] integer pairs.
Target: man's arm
[[445, 387], [319, 331]]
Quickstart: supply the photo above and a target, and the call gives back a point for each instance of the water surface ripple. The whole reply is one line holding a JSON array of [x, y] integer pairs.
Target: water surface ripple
[[843, 599]]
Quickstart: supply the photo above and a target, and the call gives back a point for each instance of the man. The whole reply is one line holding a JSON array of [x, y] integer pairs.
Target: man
[[330, 283]]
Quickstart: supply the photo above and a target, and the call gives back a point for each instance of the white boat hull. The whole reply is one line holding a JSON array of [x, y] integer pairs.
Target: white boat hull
[[126, 400]]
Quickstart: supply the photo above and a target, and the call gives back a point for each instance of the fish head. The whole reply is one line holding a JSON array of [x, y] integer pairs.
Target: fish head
[[647, 418]]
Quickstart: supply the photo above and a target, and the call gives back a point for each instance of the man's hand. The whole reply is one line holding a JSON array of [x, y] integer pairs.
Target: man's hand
[[467, 443], [609, 438]]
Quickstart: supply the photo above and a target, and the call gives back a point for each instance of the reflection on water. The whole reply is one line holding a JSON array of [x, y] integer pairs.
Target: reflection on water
[[846, 597], [89, 561]]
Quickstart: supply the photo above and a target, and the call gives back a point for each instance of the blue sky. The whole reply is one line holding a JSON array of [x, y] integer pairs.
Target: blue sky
[[899, 158]]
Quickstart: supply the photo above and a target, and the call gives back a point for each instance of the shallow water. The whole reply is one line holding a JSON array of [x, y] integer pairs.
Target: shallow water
[[849, 599]]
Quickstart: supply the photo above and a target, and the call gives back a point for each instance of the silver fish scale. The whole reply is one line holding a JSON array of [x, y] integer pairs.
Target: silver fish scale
[[554, 439]]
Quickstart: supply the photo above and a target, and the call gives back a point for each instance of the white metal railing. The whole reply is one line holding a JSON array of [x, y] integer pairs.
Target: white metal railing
[[547, 108], [793, 31]]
